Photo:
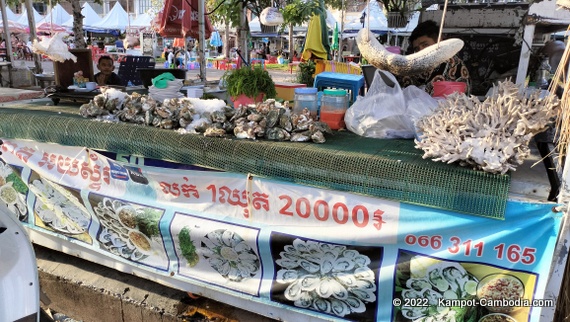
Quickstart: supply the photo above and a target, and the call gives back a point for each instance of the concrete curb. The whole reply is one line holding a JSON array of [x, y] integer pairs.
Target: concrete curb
[[90, 292]]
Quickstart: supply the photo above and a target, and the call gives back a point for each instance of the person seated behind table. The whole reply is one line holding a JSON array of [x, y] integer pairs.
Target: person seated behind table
[[106, 76], [454, 70]]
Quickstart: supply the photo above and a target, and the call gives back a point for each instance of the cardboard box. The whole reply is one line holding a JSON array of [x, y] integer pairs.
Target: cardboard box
[[286, 91]]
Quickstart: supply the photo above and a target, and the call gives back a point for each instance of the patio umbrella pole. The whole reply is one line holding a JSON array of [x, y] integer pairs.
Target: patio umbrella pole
[[201, 39]]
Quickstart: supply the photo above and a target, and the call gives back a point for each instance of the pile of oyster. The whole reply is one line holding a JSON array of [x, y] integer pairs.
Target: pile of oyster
[[266, 120]]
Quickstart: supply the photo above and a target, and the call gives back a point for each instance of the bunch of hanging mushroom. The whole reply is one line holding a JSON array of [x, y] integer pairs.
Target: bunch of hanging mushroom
[[493, 135]]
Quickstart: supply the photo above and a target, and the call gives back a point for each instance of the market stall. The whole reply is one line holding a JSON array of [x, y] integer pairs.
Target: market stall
[[352, 229]]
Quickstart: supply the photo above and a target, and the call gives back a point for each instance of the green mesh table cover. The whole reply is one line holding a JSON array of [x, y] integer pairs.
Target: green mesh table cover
[[391, 169]]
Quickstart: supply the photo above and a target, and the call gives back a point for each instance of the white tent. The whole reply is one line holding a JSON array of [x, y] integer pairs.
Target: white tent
[[374, 19], [57, 15], [90, 17], [255, 25], [116, 19], [142, 21], [331, 20], [23, 20], [10, 15]]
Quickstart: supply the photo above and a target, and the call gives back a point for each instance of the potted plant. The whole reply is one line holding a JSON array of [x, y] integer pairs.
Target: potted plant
[[306, 72], [248, 85]]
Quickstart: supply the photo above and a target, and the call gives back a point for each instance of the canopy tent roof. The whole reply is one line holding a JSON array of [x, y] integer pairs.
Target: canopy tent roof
[[375, 20], [57, 16], [116, 19], [23, 19], [331, 20], [255, 25], [90, 17], [255, 29], [10, 15], [142, 21]]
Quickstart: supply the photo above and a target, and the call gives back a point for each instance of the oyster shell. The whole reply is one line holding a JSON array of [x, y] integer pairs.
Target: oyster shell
[[215, 132], [277, 134], [301, 136], [273, 116]]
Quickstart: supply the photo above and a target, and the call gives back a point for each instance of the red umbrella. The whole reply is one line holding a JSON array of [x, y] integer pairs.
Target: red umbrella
[[48, 27], [13, 27], [179, 19]]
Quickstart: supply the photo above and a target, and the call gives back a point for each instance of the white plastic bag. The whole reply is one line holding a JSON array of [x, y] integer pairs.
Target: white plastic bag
[[387, 111], [418, 104]]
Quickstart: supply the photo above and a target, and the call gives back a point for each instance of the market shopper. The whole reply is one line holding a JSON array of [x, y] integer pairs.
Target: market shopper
[[106, 76], [171, 58], [454, 70]]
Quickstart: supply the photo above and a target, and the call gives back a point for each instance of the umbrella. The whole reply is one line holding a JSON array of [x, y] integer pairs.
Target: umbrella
[[13, 27], [48, 27], [179, 18], [317, 39], [334, 45], [215, 39]]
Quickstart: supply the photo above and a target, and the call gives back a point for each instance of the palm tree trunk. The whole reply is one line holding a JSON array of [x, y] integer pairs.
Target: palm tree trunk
[[32, 25], [78, 38]]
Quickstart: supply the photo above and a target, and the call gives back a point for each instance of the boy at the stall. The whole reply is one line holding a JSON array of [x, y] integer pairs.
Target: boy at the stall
[[106, 75], [454, 70]]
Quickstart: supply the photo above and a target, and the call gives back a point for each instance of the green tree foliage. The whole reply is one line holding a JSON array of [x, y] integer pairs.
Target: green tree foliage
[[297, 12], [294, 11]]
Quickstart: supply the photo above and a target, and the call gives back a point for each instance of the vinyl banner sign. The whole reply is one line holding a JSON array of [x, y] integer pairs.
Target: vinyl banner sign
[[319, 254]]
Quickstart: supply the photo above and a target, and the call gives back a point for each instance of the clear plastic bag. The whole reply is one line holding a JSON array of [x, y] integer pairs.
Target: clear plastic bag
[[418, 104], [387, 111]]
